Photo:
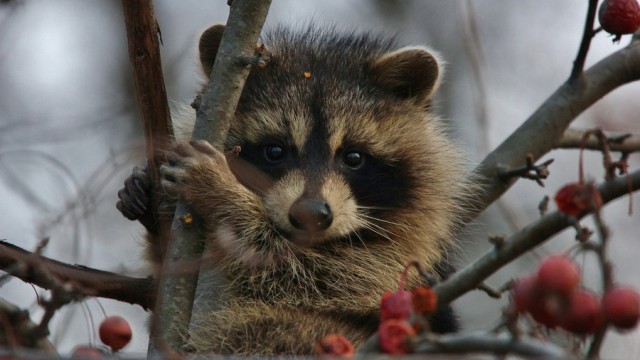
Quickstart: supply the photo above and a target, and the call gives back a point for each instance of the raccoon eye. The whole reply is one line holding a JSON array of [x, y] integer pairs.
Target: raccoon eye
[[274, 153], [353, 159]]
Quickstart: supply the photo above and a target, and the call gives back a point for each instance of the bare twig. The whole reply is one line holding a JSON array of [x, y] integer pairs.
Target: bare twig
[[491, 291], [544, 128], [530, 171], [587, 35], [623, 142], [529, 237]]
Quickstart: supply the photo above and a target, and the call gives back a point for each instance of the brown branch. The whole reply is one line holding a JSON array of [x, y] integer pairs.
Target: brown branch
[[214, 114], [544, 128], [517, 244], [144, 54], [622, 142], [587, 35], [16, 261]]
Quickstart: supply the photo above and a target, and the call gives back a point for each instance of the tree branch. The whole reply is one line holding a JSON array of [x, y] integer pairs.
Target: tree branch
[[214, 114], [542, 131], [18, 263], [144, 54], [489, 344], [517, 244], [622, 142]]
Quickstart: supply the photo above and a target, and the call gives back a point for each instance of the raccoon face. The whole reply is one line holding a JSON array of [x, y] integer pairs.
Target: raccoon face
[[341, 124]]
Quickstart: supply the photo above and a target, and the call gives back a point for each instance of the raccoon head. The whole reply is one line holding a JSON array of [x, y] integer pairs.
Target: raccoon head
[[342, 123]]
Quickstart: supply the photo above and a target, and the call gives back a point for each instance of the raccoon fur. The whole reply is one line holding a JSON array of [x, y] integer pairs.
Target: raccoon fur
[[364, 180]]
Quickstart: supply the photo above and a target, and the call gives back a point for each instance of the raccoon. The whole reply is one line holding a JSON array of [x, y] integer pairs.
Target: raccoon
[[364, 179]]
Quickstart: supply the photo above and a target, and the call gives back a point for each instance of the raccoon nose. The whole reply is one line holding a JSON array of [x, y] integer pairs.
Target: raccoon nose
[[310, 215]]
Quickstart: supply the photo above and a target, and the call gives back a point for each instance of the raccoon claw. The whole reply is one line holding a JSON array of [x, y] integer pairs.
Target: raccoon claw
[[170, 178], [134, 196], [180, 169]]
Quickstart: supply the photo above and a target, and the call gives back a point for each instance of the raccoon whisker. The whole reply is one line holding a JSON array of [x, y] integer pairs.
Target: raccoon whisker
[[377, 229], [371, 219], [386, 208]]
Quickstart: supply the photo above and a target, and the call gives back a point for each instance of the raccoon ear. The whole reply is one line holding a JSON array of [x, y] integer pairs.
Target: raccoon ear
[[410, 73], [208, 47]]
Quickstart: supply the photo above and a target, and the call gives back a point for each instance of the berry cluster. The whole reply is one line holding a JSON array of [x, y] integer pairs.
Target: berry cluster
[[553, 297], [401, 315]]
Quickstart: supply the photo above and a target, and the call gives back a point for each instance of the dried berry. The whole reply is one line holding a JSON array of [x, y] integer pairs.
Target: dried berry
[[558, 274], [115, 332], [621, 307], [576, 199], [394, 335], [396, 305], [335, 345], [425, 300], [584, 313], [619, 17]]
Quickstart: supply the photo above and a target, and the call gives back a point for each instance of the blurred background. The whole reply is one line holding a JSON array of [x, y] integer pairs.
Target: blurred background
[[70, 132]]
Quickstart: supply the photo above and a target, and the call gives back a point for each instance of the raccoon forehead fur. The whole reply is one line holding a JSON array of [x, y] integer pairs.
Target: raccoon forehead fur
[[350, 121]]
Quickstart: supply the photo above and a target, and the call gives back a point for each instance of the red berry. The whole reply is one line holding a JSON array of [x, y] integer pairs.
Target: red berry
[[584, 313], [425, 300], [393, 336], [87, 352], [619, 17], [558, 274], [115, 332], [335, 345], [576, 199], [546, 308], [396, 305], [622, 307], [522, 291]]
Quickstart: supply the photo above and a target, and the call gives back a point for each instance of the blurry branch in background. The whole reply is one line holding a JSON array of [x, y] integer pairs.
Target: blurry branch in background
[[621, 142], [542, 131]]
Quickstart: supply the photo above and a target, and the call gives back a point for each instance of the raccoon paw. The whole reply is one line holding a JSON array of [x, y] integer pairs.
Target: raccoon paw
[[192, 168], [134, 197]]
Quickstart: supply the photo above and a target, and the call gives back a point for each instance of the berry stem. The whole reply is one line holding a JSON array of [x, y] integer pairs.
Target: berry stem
[[607, 279]]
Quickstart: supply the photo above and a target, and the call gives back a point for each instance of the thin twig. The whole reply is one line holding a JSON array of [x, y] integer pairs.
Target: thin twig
[[530, 171], [587, 35], [623, 142], [607, 279]]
